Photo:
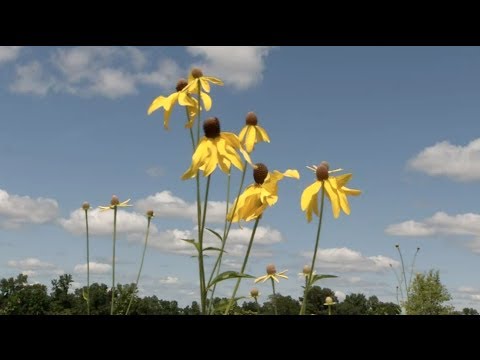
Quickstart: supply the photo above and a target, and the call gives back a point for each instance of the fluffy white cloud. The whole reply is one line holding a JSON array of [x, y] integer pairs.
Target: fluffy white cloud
[[409, 228], [9, 53], [30, 263], [16, 210], [460, 163], [348, 260], [340, 295], [165, 204], [32, 79], [468, 293], [166, 75], [101, 222], [95, 268], [168, 280], [239, 66]]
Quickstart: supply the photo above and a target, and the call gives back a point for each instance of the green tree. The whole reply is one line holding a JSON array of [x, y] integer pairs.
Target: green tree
[[428, 295], [17, 297], [469, 311], [99, 300], [376, 307], [62, 301], [316, 300], [354, 304], [286, 305]]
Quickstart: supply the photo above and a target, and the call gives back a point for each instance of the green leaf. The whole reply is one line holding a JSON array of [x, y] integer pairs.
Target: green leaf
[[193, 242], [318, 277], [214, 248], [215, 233], [229, 275], [85, 295]]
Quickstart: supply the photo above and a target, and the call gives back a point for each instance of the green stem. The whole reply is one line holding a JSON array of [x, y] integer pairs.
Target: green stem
[[200, 252], [307, 288], [411, 269], [141, 265], [403, 272], [191, 131], [274, 299], [113, 259], [88, 263], [244, 265], [226, 207], [218, 262], [329, 309]]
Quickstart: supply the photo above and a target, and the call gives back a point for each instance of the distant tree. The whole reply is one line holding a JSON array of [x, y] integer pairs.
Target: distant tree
[[192, 310], [286, 305], [376, 307], [428, 295], [354, 304], [17, 297], [250, 308], [316, 300], [62, 301], [99, 300], [469, 311]]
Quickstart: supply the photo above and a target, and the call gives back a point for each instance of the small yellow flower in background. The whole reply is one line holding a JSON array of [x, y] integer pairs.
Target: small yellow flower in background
[[169, 102], [115, 203], [198, 82], [254, 293], [334, 187], [306, 272], [216, 148], [256, 197], [271, 274], [252, 132], [86, 206]]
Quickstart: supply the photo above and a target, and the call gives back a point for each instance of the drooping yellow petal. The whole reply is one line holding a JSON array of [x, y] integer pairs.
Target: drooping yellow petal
[[166, 117], [261, 133], [192, 87], [262, 278], [307, 194], [166, 102], [353, 192], [343, 202], [198, 159], [250, 139], [314, 205], [343, 179], [205, 84], [185, 99], [207, 101], [241, 136], [223, 162], [213, 80], [292, 173], [332, 195], [212, 161], [231, 139]]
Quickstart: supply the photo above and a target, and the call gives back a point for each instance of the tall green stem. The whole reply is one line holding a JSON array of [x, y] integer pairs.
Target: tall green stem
[[274, 299], [403, 272], [218, 262], [113, 259], [88, 263], [412, 267], [309, 283], [141, 266], [244, 265], [200, 252]]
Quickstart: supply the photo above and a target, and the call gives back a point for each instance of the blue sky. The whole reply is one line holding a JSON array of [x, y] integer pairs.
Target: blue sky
[[404, 120]]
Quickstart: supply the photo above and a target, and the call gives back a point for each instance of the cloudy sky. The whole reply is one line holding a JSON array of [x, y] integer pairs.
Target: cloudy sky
[[404, 120]]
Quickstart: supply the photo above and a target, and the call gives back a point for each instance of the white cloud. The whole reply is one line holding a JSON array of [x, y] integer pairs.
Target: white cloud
[[239, 66], [169, 280], [155, 171], [101, 222], [409, 228], [113, 83], [166, 75], [16, 210], [9, 53], [31, 79], [340, 295], [95, 268], [165, 204], [468, 293], [460, 163], [30, 263], [348, 260]]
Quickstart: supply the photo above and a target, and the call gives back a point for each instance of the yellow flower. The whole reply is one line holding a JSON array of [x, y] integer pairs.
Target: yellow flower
[[272, 274], [256, 197], [169, 102], [216, 148], [334, 187], [198, 82], [115, 203], [307, 271], [252, 132], [329, 301]]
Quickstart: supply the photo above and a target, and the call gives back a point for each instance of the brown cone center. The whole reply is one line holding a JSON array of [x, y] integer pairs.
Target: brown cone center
[[196, 73], [114, 200], [211, 127], [181, 84], [260, 173], [322, 172], [271, 269], [251, 119]]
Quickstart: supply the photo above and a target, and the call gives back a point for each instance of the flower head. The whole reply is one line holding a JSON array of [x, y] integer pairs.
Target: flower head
[[252, 132], [254, 293], [306, 271], [115, 203], [329, 301], [85, 206], [150, 214], [334, 188], [257, 196], [198, 82], [272, 274], [216, 148], [180, 96]]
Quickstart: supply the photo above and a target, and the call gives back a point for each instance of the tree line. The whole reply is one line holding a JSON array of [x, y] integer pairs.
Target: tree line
[[18, 297]]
